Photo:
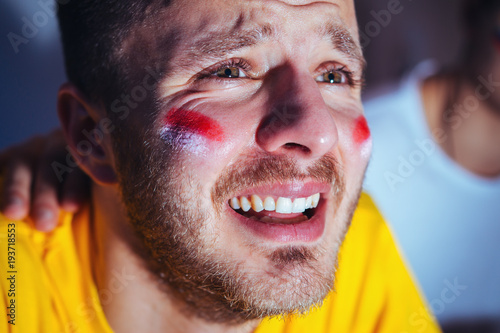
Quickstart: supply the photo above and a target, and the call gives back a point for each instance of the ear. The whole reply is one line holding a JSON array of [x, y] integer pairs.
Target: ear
[[87, 131]]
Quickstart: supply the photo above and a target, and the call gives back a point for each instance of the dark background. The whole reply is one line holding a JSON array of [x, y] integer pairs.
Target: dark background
[[30, 78]]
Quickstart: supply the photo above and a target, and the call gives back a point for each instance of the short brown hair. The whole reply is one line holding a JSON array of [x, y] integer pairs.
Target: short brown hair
[[91, 32]]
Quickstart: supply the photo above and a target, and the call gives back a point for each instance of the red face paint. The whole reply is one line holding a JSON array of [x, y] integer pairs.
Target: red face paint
[[183, 121], [361, 131]]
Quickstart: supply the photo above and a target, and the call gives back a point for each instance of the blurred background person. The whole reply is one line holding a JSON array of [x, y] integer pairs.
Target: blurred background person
[[435, 174]]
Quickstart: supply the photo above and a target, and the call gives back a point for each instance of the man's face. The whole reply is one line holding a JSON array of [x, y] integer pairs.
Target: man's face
[[259, 106]]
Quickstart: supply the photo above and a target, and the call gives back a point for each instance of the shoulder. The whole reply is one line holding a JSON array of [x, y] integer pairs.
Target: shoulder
[[52, 282], [368, 227], [367, 244], [22, 236], [367, 213], [373, 279], [22, 260]]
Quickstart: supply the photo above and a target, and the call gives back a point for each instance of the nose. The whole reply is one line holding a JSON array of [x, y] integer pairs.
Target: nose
[[297, 121]]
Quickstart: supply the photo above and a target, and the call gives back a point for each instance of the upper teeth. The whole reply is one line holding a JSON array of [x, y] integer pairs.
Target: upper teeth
[[282, 205]]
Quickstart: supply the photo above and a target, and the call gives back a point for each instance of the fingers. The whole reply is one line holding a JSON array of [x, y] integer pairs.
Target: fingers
[[45, 207], [17, 166], [75, 191], [32, 186], [45, 203], [16, 190]]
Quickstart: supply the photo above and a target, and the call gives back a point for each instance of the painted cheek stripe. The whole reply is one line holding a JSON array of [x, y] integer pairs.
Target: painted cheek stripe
[[183, 122], [361, 130]]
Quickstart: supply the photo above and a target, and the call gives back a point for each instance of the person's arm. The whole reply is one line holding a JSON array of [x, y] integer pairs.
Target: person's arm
[[32, 184]]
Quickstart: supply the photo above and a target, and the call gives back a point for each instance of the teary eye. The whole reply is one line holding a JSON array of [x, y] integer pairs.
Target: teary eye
[[229, 69], [230, 72], [335, 77]]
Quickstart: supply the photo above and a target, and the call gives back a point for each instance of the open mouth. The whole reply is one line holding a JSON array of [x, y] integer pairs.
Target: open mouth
[[276, 210], [282, 212]]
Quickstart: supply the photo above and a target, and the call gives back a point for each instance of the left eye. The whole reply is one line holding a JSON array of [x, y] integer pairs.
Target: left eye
[[230, 72], [331, 77]]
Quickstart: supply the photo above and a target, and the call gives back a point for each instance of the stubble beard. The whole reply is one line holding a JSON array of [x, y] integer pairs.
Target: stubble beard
[[184, 255]]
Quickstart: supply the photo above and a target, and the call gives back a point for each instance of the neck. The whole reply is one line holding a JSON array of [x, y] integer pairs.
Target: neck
[[472, 127], [131, 296]]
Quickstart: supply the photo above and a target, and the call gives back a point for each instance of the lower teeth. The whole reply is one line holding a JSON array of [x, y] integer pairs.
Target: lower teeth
[[275, 220], [297, 219]]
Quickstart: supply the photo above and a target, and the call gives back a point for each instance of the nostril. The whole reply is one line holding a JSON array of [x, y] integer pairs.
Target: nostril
[[293, 145]]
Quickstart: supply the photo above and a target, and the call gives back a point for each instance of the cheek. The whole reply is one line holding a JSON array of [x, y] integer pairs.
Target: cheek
[[361, 132], [185, 125], [359, 138]]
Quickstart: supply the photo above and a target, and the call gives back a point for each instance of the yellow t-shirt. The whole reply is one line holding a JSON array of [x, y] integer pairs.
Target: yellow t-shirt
[[47, 277]]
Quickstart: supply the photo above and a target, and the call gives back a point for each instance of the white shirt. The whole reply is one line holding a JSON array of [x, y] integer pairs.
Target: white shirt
[[446, 219]]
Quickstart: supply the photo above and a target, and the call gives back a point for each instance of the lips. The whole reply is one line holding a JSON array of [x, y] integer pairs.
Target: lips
[[283, 212]]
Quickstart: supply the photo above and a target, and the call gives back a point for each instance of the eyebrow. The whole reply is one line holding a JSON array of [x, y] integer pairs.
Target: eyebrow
[[215, 46], [343, 42]]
